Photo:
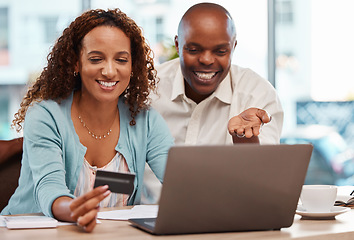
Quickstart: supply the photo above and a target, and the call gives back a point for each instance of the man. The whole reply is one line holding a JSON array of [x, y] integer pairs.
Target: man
[[201, 91], [205, 99]]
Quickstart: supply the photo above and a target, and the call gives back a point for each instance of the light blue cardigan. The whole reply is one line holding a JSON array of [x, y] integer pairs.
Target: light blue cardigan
[[53, 155]]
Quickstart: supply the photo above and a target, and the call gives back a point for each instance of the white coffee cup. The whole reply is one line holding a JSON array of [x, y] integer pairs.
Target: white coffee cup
[[318, 198]]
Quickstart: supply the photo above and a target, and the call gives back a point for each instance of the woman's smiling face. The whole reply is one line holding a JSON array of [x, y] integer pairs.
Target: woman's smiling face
[[105, 63]]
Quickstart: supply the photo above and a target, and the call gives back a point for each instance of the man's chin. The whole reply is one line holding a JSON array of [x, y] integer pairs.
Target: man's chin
[[205, 88], [204, 92]]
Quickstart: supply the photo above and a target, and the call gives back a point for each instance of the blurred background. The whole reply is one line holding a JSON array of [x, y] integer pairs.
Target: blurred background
[[303, 47]]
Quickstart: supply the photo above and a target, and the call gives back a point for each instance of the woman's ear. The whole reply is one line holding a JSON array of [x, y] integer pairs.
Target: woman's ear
[[77, 69]]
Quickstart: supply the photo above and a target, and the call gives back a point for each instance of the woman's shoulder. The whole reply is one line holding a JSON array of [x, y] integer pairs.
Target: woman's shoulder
[[48, 117], [144, 113], [48, 109], [51, 105], [150, 114], [145, 117]]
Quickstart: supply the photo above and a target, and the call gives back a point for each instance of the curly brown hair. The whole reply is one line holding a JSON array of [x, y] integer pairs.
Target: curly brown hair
[[57, 80]]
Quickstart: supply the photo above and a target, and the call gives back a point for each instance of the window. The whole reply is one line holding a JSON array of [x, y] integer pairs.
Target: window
[[27, 31], [284, 12], [4, 36], [50, 29], [4, 113], [159, 29], [314, 81]]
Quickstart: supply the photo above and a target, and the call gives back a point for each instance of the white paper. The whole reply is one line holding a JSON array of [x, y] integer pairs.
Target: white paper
[[2, 221], [343, 193], [20, 222], [138, 211]]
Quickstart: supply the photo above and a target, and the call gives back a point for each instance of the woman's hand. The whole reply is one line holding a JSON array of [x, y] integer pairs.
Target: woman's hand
[[85, 208], [82, 210], [248, 123]]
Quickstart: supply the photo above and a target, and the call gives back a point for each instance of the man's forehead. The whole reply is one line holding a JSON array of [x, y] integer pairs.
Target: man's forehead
[[211, 18], [206, 27], [207, 23], [205, 15]]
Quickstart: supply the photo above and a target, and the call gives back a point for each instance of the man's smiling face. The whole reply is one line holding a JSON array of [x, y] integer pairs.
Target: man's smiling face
[[205, 45]]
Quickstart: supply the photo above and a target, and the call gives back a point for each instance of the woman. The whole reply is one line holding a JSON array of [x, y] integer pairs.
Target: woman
[[89, 110]]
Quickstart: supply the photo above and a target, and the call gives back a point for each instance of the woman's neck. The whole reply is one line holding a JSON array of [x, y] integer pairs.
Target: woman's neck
[[96, 114]]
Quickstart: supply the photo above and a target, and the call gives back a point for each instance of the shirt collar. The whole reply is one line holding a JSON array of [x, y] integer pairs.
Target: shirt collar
[[223, 92], [178, 84]]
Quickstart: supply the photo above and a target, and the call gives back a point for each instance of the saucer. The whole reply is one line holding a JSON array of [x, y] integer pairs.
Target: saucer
[[336, 210]]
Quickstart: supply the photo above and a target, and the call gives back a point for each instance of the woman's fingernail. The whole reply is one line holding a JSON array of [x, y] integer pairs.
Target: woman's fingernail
[[77, 222], [106, 193]]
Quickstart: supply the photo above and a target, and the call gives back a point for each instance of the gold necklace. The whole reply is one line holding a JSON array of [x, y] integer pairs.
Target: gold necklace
[[94, 135]]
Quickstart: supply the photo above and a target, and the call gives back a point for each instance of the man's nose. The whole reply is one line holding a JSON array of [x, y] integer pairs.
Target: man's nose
[[206, 58]]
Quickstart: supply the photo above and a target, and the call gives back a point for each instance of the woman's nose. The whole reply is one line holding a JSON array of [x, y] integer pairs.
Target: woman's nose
[[108, 70]]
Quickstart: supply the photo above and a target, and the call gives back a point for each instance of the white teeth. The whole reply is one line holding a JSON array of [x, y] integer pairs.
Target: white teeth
[[107, 84], [206, 76]]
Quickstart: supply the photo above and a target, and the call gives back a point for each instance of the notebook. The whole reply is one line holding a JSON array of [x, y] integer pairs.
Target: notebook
[[241, 187]]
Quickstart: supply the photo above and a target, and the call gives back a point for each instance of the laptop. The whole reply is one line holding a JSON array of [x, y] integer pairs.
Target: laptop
[[225, 188]]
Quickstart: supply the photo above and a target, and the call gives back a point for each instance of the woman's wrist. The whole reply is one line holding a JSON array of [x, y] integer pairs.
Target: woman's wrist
[[61, 209]]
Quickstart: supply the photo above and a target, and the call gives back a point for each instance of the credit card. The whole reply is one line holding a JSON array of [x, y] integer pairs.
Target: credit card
[[117, 182]]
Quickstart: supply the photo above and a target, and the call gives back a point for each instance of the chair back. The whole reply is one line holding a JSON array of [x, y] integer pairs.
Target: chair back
[[10, 165]]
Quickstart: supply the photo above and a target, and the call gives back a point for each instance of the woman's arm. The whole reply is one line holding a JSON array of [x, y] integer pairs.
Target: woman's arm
[[159, 142], [82, 210]]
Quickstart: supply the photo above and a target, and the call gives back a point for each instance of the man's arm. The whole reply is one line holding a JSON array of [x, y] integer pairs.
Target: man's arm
[[246, 126]]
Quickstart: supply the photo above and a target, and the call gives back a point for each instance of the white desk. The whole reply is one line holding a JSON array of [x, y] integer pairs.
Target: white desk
[[341, 228]]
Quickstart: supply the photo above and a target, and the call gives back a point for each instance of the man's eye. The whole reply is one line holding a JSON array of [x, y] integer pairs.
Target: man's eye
[[191, 50], [221, 51]]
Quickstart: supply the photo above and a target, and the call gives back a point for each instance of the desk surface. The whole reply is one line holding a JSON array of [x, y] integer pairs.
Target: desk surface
[[340, 228]]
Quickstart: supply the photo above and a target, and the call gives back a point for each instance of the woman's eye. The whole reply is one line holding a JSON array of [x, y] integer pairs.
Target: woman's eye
[[95, 60], [122, 60]]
